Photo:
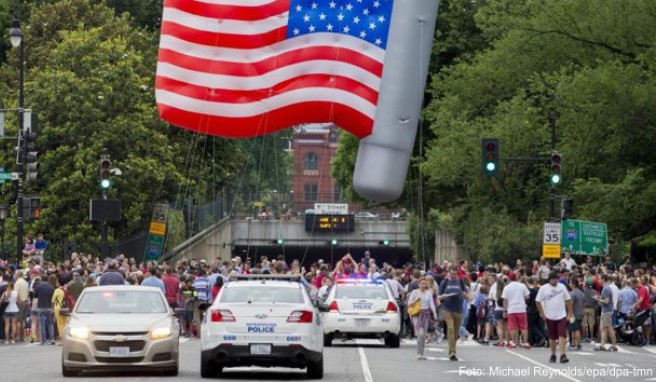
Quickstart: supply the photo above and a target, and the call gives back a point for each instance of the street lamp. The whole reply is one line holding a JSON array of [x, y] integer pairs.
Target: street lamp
[[3, 217], [16, 40]]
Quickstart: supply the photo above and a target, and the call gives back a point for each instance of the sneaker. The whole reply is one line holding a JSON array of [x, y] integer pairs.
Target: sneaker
[[511, 345], [421, 357], [500, 344], [440, 338], [453, 358], [552, 359], [578, 347], [484, 342], [526, 346], [586, 340], [563, 359], [613, 349], [52, 343]]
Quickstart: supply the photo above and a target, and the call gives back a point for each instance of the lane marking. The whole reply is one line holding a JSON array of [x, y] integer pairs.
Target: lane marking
[[544, 366], [649, 349], [582, 353], [438, 350], [368, 341], [365, 366]]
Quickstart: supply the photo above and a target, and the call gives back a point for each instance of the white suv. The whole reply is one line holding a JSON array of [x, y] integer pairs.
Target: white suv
[[262, 320], [361, 309]]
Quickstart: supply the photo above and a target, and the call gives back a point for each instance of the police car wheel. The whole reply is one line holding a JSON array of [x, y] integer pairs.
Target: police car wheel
[[209, 369], [327, 340], [393, 341], [315, 369]]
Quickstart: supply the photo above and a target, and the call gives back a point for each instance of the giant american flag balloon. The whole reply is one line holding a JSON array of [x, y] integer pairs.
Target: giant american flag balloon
[[243, 68]]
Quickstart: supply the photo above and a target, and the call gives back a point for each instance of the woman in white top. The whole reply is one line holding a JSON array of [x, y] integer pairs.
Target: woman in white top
[[428, 311], [11, 312]]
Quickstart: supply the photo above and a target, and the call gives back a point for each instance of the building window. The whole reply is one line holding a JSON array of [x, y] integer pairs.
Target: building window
[[333, 136], [337, 194], [311, 161], [311, 192]]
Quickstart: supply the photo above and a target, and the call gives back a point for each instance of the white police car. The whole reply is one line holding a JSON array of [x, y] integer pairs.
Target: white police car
[[262, 320], [361, 309]]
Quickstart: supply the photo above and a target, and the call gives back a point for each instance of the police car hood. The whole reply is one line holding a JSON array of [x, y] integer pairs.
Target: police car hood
[[124, 322]]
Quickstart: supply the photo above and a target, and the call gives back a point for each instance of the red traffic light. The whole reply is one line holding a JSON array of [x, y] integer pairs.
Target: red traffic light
[[555, 169], [555, 158], [491, 146]]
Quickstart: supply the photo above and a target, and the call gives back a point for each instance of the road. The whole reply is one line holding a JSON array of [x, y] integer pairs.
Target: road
[[368, 361]]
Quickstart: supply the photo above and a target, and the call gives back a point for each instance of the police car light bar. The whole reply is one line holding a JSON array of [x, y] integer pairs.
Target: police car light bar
[[258, 277], [377, 281]]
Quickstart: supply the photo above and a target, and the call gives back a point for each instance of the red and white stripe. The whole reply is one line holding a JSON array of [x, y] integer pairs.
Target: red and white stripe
[[225, 68]]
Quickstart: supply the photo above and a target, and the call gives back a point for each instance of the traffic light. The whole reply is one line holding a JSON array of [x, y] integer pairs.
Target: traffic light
[[566, 208], [334, 242], [384, 242], [29, 134], [32, 207], [279, 241], [490, 153], [105, 166], [556, 161]]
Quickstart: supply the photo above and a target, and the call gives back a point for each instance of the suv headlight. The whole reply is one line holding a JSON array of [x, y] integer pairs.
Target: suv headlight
[[159, 333], [78, 332]]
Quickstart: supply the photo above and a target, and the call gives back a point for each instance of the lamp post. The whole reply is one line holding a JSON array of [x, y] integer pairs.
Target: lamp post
[[16, 40], [3, 217]]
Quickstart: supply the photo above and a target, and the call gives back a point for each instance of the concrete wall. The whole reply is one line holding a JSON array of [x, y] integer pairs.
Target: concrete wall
[[446, 247]]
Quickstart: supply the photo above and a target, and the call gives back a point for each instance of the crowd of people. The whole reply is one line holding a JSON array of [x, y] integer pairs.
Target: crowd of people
[[514, 305]]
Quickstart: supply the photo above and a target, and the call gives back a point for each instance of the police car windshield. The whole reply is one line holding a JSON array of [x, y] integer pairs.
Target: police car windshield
[[359, 292], [254, 294]]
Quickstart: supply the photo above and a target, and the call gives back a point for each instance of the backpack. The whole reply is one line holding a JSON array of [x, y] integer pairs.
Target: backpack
[[481, 311], [69, 300]]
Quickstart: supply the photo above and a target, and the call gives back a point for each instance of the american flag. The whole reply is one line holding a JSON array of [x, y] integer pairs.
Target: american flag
[[239, 68]]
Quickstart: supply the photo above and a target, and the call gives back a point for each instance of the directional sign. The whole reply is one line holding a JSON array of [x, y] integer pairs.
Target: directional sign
[[4, 176], [584, 237], [551, 233], [156, 233]]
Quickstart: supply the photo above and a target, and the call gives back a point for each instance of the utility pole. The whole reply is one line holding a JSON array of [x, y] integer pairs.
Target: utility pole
[[552, 191], [105, 184]]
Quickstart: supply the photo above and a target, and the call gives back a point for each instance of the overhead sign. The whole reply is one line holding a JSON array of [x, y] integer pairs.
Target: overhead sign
[[551, 233], [329, 223], [331, 208], [551, 251], [584, 238]]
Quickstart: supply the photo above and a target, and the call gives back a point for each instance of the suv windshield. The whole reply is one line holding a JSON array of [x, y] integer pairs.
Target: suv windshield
[[117, 302], [252, 294], [357, 292]]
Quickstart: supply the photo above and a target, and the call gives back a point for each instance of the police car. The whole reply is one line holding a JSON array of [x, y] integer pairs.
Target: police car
[[262, 320], [361, 309]]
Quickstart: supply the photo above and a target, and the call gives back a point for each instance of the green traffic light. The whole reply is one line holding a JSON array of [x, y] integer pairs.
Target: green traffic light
[[281, 241], [555, 179], [490, 166], [105, 184], [333, 242]]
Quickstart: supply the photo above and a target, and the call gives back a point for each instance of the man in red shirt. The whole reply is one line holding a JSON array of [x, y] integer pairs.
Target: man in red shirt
[[644, 302], [462, 271], [171, 286]]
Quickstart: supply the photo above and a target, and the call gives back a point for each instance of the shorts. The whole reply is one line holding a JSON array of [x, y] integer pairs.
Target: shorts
[[498, 315], [576, 326], [10, 314], [557, 328], [188, 316], [491, 317], [517, 320], [606, 319], [23, 310]]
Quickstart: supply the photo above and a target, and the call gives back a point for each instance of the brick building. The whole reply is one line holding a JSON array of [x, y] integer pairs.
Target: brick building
[[314, 147]]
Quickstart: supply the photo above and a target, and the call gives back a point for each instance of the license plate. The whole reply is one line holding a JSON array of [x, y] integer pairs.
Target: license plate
[[361, 322], [261, 349], [122, 351]]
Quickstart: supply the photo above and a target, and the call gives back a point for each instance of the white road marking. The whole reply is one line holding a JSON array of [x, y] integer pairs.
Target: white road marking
[[183, 340], [437, 350], [365, 366], [368, 341], [649, 349], [542, 365], [582, 353]]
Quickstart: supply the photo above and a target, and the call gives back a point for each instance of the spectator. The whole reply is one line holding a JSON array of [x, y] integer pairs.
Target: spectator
[[555, 306]]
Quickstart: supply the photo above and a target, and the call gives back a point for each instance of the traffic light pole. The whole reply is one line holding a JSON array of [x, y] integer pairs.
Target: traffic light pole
[[103, 232], [20, 160], [552, 191]]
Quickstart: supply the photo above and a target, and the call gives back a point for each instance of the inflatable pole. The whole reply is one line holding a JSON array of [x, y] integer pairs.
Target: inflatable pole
[[384, 156]]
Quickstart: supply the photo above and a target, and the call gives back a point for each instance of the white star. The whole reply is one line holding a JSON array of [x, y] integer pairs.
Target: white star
[[333, 4], [376, 4], [359, 1], [366, 11], [363, 34], [356, 20], [306, 18], [299, 8], [349, 7], [340, 17], [322, 17], [296, 32], [372, 26], [346, 29], [329, 27], [312, 28], [379, 41], [314, 5], [381, 19]]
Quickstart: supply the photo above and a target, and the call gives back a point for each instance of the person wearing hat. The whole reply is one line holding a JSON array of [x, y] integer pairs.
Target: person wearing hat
[[555, 306]]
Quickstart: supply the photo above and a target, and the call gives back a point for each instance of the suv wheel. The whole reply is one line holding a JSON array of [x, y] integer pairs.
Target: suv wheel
[[327, 340], [315, 369]]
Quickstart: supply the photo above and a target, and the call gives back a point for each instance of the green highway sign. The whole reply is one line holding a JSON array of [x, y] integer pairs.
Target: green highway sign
[[4, 176], [581, 237]]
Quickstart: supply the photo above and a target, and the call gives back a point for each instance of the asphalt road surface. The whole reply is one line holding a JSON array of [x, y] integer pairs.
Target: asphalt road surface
[[368, 361]]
